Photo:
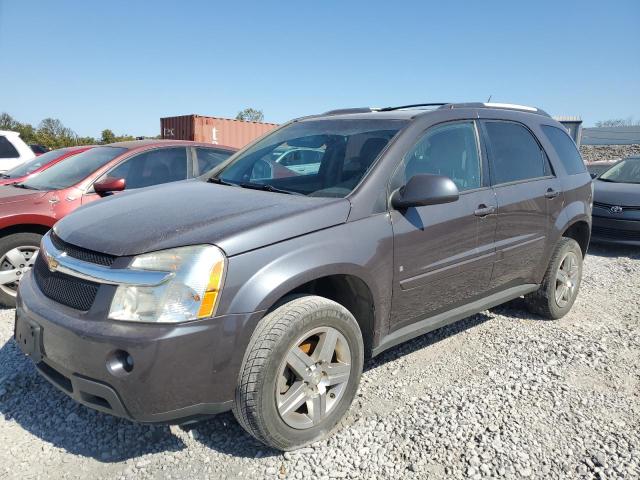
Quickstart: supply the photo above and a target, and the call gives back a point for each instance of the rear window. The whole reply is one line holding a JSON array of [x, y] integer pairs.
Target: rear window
[[74, 169], [209, 158], [514, 153], [7, 150], [566, 149]]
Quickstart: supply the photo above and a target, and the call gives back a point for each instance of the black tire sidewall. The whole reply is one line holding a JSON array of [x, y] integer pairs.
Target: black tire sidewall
[[25, 239], [336, 317]]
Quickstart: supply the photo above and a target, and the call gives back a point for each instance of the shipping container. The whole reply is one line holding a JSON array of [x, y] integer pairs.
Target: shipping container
[[223, 131]]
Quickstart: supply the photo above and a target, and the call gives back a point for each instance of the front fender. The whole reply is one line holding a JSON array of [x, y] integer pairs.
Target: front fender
[[256, 280]]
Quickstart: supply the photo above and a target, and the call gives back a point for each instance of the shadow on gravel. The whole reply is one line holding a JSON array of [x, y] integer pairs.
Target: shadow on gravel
[[425, 340], [47, 413], [612, 251]]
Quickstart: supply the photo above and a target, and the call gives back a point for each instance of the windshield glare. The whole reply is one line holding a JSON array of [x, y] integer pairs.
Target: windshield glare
[[74, 169], [32, 165], [627, 171], [321, 158]]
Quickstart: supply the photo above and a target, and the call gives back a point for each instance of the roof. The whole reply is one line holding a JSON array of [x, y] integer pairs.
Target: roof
[[131, 144], [409, 112], [8, 133]]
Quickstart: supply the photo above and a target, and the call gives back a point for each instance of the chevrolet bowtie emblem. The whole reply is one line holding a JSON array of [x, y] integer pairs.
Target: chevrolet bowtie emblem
[[52, 263]]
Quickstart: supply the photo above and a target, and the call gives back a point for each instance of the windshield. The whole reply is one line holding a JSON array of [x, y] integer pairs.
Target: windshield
[[626, 171], [74, 169], [322, 158], [32, 165]]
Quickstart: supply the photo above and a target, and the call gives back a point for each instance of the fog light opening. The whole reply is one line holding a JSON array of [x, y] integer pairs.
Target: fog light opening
[[120, 363]]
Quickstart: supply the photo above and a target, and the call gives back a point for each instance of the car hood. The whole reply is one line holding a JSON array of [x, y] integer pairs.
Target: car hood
[[194, 212], [623, 194], [11, 194]]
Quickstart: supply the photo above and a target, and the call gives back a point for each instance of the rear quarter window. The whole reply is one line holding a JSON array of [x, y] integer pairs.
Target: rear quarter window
[[566, 149], [7, 150]]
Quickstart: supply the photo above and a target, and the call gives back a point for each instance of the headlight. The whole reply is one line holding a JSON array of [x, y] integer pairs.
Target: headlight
[[190, 294]]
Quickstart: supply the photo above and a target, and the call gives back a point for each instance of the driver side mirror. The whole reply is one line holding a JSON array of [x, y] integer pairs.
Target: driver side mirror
[[109, 185], [593, 175], [425, 189]]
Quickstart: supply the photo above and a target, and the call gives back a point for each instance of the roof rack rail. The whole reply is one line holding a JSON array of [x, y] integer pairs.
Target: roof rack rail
[[414, 105], [341, 111], [505, 106]]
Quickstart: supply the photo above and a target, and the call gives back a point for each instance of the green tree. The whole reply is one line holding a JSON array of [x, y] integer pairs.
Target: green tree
[[26, 130], [108, 136], [250, 115], [52, 133]]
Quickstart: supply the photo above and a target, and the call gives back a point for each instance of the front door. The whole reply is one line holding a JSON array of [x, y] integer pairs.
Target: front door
[[443, 254]]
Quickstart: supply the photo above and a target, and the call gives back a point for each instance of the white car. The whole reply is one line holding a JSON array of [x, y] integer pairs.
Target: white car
[[13, 150]]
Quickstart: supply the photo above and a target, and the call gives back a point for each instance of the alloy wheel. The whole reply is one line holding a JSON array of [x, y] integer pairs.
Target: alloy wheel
[[567, 279], [13, 265], [313, 377]]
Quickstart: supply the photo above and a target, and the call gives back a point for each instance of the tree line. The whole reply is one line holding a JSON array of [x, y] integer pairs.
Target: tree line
[[52, 133]]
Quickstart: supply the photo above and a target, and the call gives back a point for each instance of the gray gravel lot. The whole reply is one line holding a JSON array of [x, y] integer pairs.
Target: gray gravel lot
[[501, 394]]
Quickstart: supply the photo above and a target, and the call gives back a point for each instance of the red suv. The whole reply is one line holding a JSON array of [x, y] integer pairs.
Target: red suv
[[41, 162], [30, 208]]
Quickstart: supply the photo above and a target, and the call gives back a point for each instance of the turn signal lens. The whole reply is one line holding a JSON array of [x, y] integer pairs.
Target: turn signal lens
[[207, 307]]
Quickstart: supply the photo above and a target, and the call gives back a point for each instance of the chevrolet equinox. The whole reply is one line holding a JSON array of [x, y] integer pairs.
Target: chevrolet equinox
[[263, 289]]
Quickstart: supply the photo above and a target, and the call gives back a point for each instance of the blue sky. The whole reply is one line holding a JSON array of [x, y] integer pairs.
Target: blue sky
[[124, 64]]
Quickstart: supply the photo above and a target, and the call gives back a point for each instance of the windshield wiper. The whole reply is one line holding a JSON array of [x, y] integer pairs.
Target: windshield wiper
[[267, 188], [4, 175], [25, 186], [219, 181]]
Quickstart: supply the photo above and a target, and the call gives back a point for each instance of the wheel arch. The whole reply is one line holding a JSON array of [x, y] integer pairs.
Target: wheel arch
[[38, 228], [580, 231]]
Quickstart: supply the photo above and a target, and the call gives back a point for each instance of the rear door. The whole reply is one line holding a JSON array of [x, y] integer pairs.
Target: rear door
[[527, 193], [443, 254]]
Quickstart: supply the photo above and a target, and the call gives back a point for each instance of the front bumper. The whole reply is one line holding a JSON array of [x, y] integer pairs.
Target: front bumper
[[615, 231], [180, 372]]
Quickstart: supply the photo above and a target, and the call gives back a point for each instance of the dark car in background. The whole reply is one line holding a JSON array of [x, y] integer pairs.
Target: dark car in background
[[39, 149], [596, 168], [616, 204], [264, 293], [40, 163], [30, 208]]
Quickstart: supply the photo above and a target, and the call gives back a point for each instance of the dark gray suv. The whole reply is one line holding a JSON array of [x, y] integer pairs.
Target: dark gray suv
[[263, 288]]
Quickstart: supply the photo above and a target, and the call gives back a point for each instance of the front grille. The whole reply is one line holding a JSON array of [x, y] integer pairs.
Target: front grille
[[607, 206], [82, 253], [616, 234], [65, 289]]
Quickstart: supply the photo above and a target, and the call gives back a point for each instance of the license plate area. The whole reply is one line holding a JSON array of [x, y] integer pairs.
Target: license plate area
[[28, 335]]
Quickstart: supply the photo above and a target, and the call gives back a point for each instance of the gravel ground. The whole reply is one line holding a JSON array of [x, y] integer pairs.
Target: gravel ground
[[501, 394]]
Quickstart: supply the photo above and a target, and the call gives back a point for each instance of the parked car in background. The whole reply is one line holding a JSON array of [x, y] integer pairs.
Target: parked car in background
[[30, 208], [39, 149], [13, 151], [596, 168], [616, 204], [38, 164], [264, 295]]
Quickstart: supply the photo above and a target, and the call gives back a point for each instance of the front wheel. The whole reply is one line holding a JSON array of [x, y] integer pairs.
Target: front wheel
[[300, 373], [17, 254], [561, 282]]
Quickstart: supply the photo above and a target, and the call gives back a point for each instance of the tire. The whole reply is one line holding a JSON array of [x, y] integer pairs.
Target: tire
[[543, 301], [17, 254], [266, 377]]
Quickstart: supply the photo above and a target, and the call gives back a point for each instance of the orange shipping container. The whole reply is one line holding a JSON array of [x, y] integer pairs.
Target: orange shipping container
[[223, 131]]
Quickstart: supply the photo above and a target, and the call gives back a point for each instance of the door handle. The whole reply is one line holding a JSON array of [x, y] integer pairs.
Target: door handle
[[551, 193], [483, 210]]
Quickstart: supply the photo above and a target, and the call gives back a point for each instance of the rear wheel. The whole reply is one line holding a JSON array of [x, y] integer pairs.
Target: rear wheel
[[17, 254], [300, 373], [561, 282]]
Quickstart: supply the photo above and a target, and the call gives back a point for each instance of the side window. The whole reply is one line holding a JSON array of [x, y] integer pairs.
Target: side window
[[302, 161], [209, 158], [450, 150], [566, 149], [7, 150], [514, 153], [153, 168]]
